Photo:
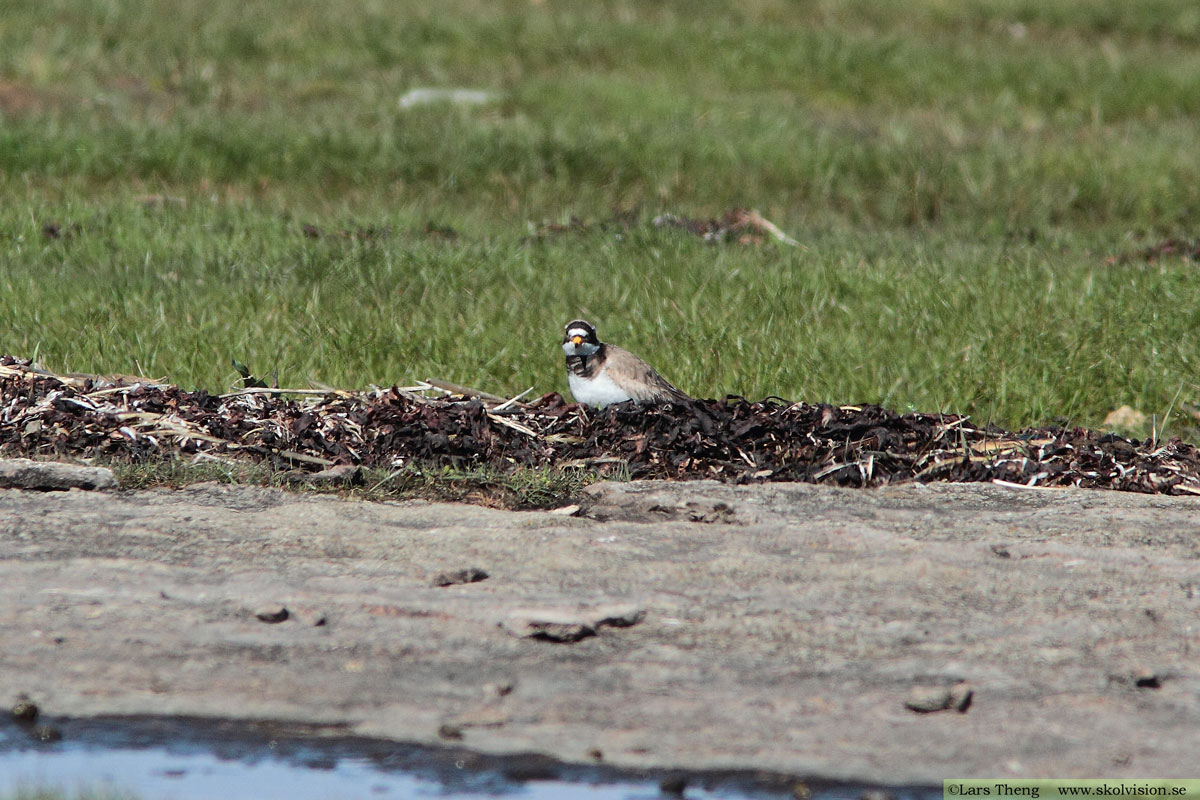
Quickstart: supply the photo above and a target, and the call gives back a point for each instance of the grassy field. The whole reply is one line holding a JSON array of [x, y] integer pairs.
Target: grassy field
[[960, 176]]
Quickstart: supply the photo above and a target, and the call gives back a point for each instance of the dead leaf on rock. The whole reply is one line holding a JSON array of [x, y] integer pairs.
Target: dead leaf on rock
[[928, 699], [468, 575], [570, 624], [272, 613], [549, 624]]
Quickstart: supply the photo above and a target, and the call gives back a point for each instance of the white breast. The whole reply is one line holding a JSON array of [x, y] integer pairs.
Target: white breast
[[599, 391]]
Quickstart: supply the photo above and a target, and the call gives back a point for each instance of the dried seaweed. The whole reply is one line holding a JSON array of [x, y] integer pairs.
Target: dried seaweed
[[731, 439]]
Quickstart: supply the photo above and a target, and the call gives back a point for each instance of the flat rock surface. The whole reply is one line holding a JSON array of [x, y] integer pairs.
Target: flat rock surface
[[781, 627]]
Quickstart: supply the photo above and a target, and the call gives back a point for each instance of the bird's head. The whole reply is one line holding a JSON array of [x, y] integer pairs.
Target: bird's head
[[579, 338]]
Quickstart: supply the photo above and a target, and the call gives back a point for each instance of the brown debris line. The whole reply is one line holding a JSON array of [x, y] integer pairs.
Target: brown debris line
[[374, 233], [620, 220], [1167, 248], [368, 233], [43, 415], [741, 225], [548, 229]]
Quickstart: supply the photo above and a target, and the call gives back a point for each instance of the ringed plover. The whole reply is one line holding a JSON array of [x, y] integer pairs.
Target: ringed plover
[[601, 374]]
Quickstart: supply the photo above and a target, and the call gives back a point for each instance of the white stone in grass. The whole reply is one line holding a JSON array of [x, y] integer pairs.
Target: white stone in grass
[[1125, 418], [457, 97]]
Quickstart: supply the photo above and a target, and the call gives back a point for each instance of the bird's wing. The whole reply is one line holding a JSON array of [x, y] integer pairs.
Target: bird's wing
[[638, 379]]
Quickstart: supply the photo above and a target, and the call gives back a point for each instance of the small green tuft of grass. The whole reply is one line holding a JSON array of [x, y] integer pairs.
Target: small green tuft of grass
[[518, 489], [174, 473]]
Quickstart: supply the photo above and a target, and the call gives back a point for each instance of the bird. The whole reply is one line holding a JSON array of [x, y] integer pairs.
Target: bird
[[601, 374]]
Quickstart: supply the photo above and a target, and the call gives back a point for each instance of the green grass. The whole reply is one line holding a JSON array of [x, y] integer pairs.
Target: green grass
[[958, 175]]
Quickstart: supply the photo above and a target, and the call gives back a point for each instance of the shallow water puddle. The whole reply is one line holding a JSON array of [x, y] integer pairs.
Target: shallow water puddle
[[179, 759]]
